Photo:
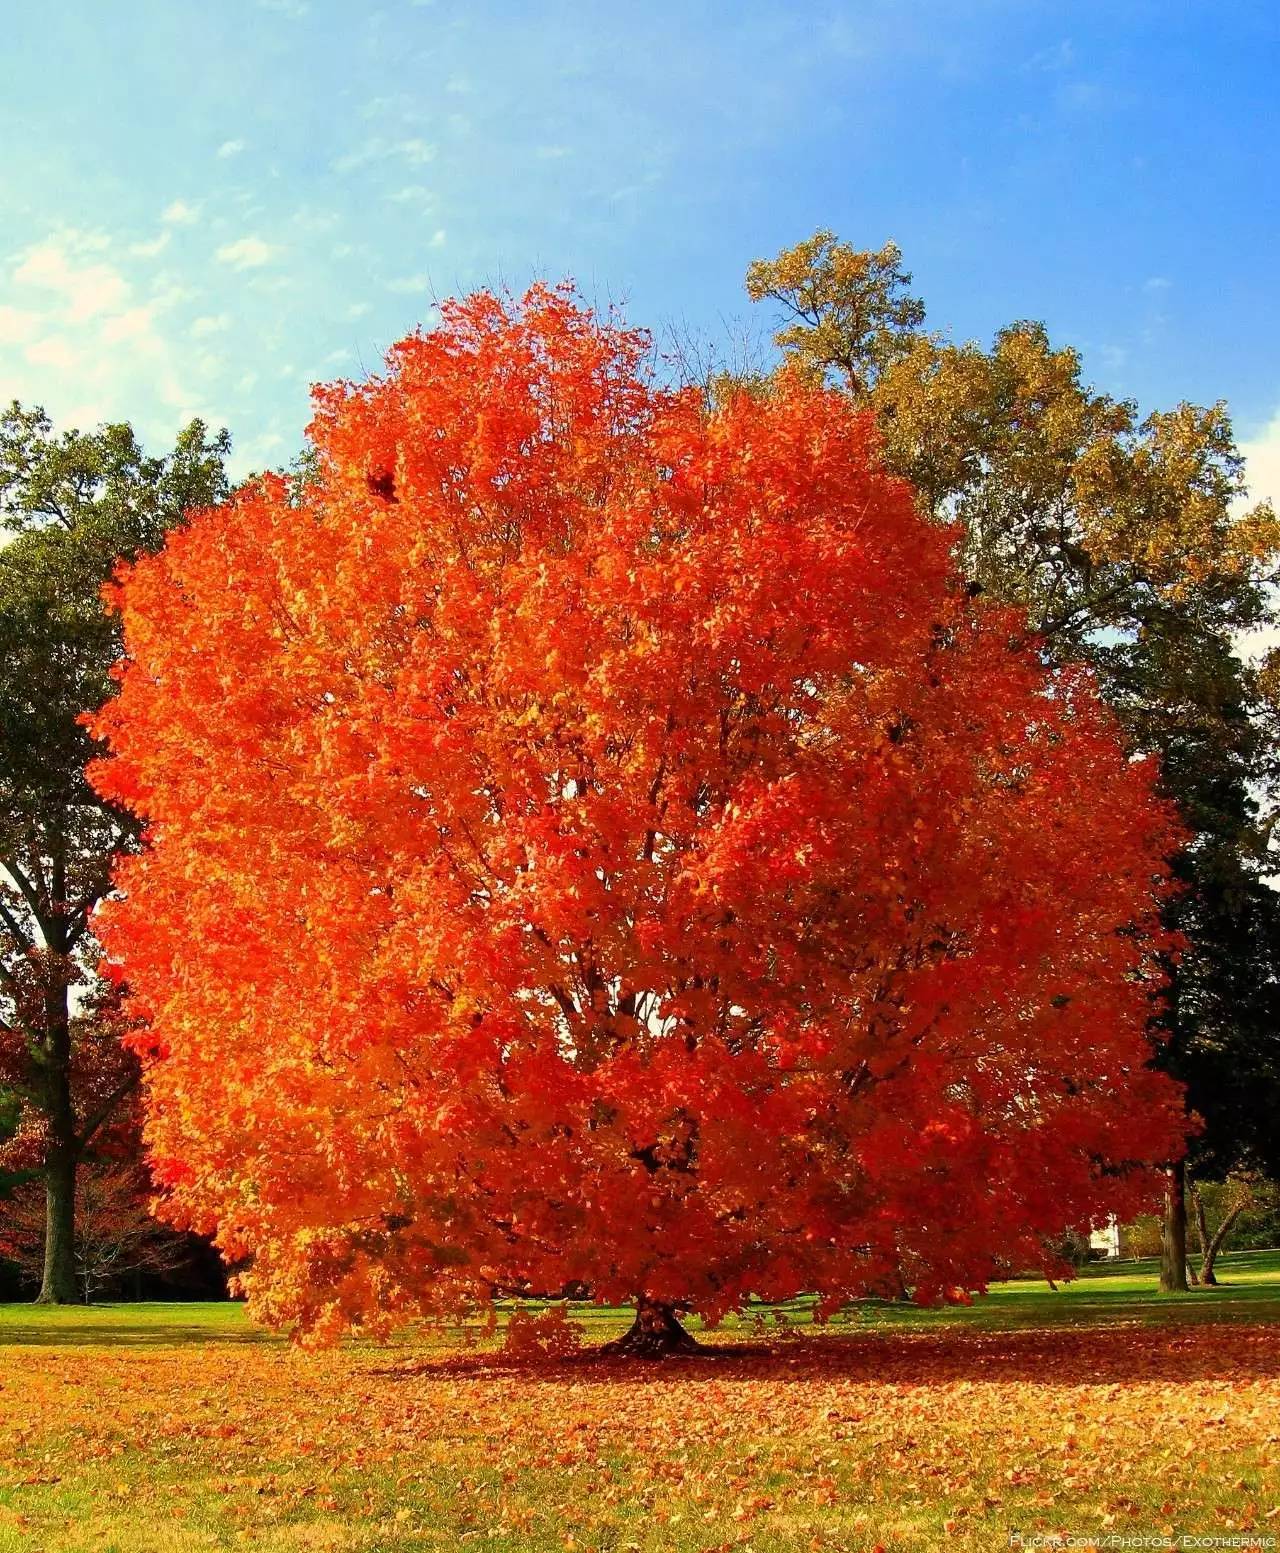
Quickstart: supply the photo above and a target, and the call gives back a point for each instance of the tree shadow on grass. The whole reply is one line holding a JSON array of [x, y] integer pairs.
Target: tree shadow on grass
[[1063, 1356]]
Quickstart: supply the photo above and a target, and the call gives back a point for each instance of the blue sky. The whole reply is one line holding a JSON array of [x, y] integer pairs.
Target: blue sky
[[206, 207]]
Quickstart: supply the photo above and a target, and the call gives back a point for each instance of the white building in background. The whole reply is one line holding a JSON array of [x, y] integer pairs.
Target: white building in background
[[1106, 1240]]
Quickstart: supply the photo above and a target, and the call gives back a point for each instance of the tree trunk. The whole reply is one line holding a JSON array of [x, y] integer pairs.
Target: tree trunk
[[1173, 1248], [1202, 1227], [58, 1286], [1215, 1243], [654, 1334], [1205, 1275]]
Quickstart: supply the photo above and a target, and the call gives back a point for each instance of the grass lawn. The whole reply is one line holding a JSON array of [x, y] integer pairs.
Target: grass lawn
[[1100, 1410]]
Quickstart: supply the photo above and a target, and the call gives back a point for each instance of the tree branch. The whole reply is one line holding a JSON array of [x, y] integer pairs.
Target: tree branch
[[105, 1110], [17, 933]]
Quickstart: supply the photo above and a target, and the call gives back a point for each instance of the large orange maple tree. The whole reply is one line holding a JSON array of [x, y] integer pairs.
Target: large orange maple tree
[[598, 847]]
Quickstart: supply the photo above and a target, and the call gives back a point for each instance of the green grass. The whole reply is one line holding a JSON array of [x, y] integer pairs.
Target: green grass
[[1103, 1294], [1106, 1293], [1099, 1407]]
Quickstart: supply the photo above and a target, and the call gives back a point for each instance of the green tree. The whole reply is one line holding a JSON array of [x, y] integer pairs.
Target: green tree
[[10, 1113], [73, 504], [1123, 538], [1222, 1206]]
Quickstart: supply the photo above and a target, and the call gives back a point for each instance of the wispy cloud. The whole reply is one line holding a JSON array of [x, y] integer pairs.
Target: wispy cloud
[[1057, 56], [230, 148], [55, 351], [136, 325], [180, 213], [413, 151], [151, 247], [90, 347], [18, 325], [246, 253], [84, 289]]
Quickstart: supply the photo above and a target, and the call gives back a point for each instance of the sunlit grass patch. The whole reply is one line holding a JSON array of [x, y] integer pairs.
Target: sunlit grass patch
[[1099, 1409]]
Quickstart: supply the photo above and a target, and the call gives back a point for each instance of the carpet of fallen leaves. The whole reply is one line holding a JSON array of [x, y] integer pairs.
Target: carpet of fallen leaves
[[886, 1441]]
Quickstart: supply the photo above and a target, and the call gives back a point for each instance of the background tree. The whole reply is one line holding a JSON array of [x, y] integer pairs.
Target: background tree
[[72, 503], [1221, 1205], [1124, 540], [117, 1235], [10, 1115], [598, 847]]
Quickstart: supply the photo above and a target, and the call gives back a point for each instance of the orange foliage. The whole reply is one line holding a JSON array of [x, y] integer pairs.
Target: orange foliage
[[596, 846]]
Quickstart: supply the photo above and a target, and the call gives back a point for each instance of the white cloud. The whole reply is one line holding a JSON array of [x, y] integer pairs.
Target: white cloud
[[260, 452], [414, 151], [17, 325], [1059, 56], [1262, 463], [358, 309], [55, 351], [358, 158], [134, 327], [84, 345], [246, 253], [409, 283], [86, 289], [308, 219], [180, 213], [149, 250], [1262, 476], [210, 323], [230, 148], [437, 238]]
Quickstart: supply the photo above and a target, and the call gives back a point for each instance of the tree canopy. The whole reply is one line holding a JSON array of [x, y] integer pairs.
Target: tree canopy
[[598, 845]]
